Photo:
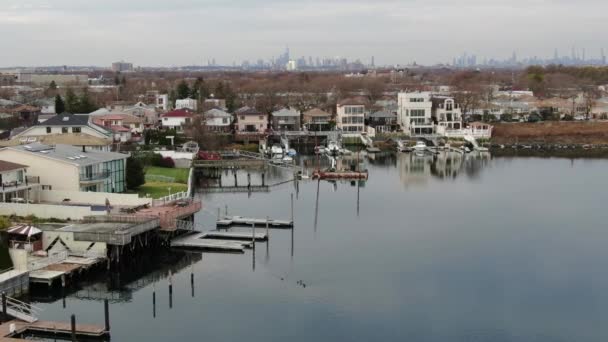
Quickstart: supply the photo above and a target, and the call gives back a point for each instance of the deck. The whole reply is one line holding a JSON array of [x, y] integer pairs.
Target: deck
[[48, 328], [218, 241]]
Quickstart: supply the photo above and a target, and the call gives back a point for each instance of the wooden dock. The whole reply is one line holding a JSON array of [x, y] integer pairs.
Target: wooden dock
[[49, 329], [249, 221], [241, 236]]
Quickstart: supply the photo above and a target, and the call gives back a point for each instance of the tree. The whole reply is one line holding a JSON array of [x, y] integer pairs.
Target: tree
[[59, 104], [52, 85], [183, 90], [135, 174], [71, 101], [85, 105]]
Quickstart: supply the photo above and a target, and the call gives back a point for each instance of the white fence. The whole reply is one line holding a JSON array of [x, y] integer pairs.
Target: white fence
[[62, 212], [461, 133], [178, 196], [93, 198]]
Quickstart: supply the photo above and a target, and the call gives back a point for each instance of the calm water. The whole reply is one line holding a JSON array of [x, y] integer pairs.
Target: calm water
[[504, 249]]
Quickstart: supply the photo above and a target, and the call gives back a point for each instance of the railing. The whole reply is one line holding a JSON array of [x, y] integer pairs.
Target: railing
[[168, 220], [22, 310], [159, 178], [95, 176], [184, 225], [50, 260], [89, 254], [178, 196], [32, 179]]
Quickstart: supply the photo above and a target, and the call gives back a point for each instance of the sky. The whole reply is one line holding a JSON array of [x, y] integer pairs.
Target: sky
[[190, 32]]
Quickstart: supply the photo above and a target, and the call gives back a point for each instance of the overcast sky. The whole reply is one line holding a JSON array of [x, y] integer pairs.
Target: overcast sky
[[185, 32]]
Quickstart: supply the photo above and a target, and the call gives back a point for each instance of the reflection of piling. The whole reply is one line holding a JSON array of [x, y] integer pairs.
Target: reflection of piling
[[192, 282], [153, 302], [4, 316], [170, 291], [292, 208], [235, 181], [267, 239], [249, 180]]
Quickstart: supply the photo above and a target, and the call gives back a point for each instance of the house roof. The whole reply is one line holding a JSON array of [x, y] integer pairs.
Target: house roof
[[286, 112], [8, 166], [248, 111], [117, 128], [75, 139], [67, 120], [179, 113], [217, 113], [68, 154], [353, 101], [316, 112], [24, 229]]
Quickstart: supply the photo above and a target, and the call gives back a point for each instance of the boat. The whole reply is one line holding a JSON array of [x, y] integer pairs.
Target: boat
[[347, 175], [276, 151], [402, 147], [420, 146], [332, 148], [291, 152], [287, 159]]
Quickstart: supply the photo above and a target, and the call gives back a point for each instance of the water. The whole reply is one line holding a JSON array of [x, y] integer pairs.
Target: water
[[504, 249]]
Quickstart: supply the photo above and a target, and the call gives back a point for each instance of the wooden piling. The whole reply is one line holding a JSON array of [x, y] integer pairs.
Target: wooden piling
[[73, 324], [4, 316], [263, 179], [153, 302], [292, 209], [106, 311]]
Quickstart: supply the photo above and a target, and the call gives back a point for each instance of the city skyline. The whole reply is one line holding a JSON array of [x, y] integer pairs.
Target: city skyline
[[189, 32]]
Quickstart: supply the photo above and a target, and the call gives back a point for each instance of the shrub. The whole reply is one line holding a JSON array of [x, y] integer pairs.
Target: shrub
[[167, 162], [4, 222]]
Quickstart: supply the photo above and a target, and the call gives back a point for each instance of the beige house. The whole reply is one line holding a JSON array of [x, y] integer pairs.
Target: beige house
[[350, 115], [15, 185], [250, 121], [70, 168]]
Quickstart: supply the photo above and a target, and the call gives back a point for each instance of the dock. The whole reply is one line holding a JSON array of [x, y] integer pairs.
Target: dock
[[235, 189], [226, 222], [242, 236], [24, 330], [199, 242]]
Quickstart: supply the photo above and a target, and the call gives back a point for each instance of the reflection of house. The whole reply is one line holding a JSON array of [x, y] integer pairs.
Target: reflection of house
[[350, 117], [218, 120], [383, 121], [14, 183], [176, 119], [250, 120], [72, 168], [286, 119], [317, 120]]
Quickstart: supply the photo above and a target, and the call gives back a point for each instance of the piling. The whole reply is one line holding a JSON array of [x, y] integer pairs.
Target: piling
[[292, 209], [192, 283], [219, 214], [106, 311], [249, 180], [263, 179], [170, 291], [153, 302], [235, 181], [4, 316], [73, 323]]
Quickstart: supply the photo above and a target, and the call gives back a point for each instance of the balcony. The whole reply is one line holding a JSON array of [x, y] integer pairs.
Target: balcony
[[95, 177]]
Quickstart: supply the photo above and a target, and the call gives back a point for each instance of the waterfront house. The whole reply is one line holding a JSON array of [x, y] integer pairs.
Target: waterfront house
[[70, 168], [383, 121], [416, 113], [66, 123], [286, 119], [350, 117], [176, 119], [317, 120], [15, 185], [447, 112], [250, 121], [218, 120]]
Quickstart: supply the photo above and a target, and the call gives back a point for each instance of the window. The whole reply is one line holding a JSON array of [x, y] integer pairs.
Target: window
[[261, 117], [165, 119], [416, 99], [224, 120], [64, 129], [75, 129], [48, 130], [449, 105], [417, 112]]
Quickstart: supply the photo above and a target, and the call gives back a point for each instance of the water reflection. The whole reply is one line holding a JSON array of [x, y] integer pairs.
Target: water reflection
[[418, 169]]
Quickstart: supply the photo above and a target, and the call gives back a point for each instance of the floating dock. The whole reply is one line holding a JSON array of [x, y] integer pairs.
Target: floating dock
[[249, 221], [199, 241], [336, 175], [24, 330], [241, 236]]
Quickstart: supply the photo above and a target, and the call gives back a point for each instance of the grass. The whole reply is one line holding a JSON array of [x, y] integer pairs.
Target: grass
[[180, 175], [159, 189]]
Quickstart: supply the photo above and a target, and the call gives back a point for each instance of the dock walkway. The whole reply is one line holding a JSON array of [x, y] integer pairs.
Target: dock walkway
[[229, 221], [48, 328], [198, 241]]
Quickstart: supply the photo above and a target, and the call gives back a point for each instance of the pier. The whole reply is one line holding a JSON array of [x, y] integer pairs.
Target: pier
[[218, 242], [250, 221]]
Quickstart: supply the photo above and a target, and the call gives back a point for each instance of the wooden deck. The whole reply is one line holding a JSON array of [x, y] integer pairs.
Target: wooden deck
[[49, 327], [197, 241]]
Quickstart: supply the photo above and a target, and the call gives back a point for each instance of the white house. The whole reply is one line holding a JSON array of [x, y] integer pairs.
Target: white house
[[66, 123], [14, 182], [176, 119], [415, 112], [186, 104], [350, 116], [70, 168], [218, 120], [447, 112]]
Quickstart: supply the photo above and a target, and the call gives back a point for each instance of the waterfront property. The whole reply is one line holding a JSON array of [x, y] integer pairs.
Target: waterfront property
[[73, 168], [218, 120], [317, 120], [15, 185], [415, 113], [250, 121], [286, 119], [176, 119], [351, 115]]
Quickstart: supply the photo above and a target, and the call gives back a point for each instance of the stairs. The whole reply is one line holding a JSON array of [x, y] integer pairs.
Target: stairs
[[21, 310]]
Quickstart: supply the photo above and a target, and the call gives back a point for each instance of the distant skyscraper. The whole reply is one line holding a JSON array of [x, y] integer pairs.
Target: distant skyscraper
[[373, 62]]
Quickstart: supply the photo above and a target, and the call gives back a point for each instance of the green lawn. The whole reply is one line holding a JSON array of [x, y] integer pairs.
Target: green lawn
[[159, 189], [180, 175]]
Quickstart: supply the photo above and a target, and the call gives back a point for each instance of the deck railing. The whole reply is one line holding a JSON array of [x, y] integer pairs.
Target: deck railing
[[51, 259]]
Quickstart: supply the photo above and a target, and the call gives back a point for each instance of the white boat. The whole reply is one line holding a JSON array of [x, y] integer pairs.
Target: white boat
[[332, 148], [287, 159], [276, 151], [420, 146], [291, 152]]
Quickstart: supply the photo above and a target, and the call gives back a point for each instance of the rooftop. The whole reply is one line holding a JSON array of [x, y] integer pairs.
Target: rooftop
[[8, 166], [179, 113], [353, 101], [67, 120], [217, 113], [316, 112], [290, 112], [248, 111], [69, 154], [75, 139]]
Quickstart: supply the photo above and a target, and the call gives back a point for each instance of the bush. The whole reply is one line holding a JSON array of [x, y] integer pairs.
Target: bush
[[135, 174], [4, 222], [167, 162]]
